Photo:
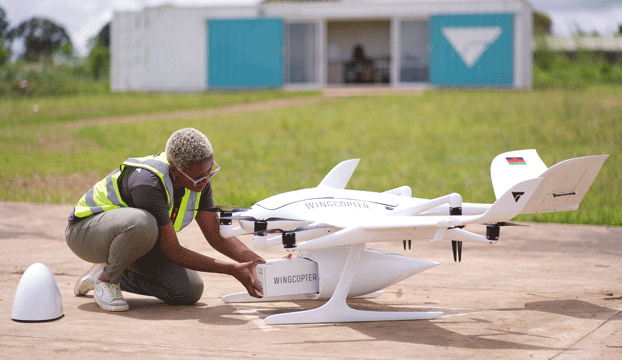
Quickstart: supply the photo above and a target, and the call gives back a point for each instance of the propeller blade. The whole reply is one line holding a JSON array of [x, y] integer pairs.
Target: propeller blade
[[229, 208], [280, 219], [456, 247], [298, 229], [504, 223], [459, 251], [251, 218], [238, 218]]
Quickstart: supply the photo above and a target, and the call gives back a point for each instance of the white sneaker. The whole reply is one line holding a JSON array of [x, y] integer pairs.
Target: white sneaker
[[87, 282], [108, 296]]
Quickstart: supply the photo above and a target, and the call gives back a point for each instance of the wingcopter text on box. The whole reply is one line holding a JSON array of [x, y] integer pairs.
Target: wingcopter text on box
[[288, 277]]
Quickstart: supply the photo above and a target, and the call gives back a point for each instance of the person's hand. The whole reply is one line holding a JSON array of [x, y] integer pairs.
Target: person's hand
[[244, 273]]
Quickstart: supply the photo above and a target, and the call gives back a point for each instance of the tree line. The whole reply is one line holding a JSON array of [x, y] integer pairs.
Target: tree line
[[43, 40]]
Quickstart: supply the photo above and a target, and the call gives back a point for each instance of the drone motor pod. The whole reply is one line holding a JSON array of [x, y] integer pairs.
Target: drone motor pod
[[259, 240], [225, 221], [289, 240], [492, 232], [456, 246]]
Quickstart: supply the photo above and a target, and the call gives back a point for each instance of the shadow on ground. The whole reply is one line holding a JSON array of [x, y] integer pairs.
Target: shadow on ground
[[424, 332]]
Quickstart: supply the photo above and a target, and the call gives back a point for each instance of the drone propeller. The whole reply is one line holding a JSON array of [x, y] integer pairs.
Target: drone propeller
[[504, 223], [225, 212], [298, 229], [251, 218], [288, 237], [227, 218], [456, 246], [226, 208], [493, 229]]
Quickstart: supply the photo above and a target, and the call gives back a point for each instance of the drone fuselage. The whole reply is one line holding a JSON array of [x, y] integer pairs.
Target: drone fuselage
[[344, 207]]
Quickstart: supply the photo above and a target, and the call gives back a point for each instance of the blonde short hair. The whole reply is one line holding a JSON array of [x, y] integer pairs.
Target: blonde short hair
[[187, 147]]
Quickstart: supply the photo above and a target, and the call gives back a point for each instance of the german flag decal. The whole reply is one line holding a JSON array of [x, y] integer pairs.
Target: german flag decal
[[516, 161]]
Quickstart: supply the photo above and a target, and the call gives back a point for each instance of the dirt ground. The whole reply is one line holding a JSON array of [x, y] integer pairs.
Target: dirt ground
[[327, 94], [542, 292]]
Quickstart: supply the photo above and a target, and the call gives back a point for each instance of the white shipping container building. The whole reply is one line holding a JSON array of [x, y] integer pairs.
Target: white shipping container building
[[311, 45]]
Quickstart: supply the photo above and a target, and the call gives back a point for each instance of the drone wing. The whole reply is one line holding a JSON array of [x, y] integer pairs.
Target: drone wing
[[389, 228]]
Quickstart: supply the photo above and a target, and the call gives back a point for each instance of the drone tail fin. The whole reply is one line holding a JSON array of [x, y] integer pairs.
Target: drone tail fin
[[511, 203], [563, 186], [339, 176], [512, 167]]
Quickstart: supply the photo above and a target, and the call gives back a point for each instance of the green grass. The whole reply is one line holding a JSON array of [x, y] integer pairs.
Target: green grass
[[51, 110], [437, 143]]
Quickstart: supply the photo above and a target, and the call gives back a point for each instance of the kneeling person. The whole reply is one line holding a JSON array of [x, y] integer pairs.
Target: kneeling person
[[127, 223]]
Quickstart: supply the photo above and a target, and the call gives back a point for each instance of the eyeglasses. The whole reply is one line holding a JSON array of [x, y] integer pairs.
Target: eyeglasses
[[209, 176]]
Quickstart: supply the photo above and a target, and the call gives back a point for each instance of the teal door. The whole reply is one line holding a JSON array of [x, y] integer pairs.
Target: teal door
[[245, 53], [472, 50]]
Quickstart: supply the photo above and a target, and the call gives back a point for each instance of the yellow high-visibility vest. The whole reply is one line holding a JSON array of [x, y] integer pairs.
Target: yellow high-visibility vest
[[105, 195]]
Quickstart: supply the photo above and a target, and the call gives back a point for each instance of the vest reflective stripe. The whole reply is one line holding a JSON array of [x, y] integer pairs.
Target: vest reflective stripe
[[105, 194], [189, 205], [183, 207]]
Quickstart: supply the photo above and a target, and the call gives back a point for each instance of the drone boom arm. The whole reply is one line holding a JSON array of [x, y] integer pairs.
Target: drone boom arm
[[456, 234], [505, 208], [347, 236], [454, 200]]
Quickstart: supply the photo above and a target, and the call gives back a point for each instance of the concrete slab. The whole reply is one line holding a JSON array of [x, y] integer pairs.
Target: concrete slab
[[542, 292]]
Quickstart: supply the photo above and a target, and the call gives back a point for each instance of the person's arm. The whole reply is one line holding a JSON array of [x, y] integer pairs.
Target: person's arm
[[179, 255], [149, 194], [231, 247]]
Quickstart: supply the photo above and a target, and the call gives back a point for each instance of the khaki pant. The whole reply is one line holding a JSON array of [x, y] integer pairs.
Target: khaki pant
[[124, 239]]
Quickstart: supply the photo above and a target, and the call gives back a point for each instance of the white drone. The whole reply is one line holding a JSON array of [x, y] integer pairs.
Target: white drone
[[330, 226]]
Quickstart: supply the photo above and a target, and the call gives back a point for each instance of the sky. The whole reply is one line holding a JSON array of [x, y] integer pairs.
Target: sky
[[83, 19]]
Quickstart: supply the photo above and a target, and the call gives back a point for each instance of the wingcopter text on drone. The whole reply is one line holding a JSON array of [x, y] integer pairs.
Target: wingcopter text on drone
[[336, 203]]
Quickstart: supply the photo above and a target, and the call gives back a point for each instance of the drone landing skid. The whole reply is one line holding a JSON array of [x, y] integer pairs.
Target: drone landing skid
[[337, 312], [243, 297], [336, 309]]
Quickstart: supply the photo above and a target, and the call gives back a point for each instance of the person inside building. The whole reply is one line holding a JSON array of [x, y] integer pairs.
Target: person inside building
[[127, 225], [360, 69]]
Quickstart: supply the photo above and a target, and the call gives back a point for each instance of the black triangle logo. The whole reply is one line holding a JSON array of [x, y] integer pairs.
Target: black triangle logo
[[517, 195]]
